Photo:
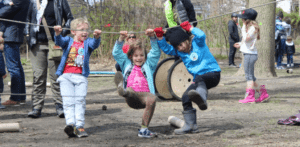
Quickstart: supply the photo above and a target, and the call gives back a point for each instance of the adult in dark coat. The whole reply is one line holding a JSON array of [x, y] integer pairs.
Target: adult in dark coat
[[13, 37], [55, 11], [233, 38]]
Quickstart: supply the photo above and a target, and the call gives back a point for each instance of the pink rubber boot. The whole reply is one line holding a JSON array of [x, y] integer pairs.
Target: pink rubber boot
[[263, 95], [250, 98]]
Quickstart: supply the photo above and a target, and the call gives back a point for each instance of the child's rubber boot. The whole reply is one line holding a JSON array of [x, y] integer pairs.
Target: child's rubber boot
[[199, 96], [250, 96], [190, 124], [263, 95]]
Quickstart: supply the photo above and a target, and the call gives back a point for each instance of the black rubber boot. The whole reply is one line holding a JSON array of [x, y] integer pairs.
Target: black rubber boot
[[35, 113], [199, 96], [60, 110], [190, 123]]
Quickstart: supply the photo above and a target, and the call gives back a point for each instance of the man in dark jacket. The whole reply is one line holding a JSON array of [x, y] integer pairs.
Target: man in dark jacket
[[13, 37], [233, 38], [54, 12]]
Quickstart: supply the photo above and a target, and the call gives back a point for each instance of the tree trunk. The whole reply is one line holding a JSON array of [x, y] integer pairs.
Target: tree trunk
[[264, 66]]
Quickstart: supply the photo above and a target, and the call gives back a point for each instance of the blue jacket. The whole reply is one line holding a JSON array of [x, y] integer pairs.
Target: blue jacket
[[90, 44], [17, 12], [200, 60], [149, 66]]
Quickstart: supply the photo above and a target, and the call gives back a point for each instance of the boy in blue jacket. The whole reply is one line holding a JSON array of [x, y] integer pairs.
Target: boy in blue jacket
[[73, 71], [199, 62]]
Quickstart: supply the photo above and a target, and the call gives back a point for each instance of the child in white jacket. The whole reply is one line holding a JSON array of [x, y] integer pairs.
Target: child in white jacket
[[251, 34]]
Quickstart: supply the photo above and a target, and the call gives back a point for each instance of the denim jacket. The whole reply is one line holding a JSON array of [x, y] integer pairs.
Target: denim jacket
[[90, 44]]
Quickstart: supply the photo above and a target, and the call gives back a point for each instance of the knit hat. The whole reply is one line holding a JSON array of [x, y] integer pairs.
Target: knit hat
[[248, 14], [176, 36]]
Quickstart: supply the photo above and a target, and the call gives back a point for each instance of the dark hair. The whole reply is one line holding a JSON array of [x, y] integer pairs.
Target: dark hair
[[136, 45], [173, 3], [287, 20], [280, 14], [233, 15]]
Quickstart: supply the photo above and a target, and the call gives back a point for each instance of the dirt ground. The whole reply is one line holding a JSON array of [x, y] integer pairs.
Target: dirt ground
[[225, 123]]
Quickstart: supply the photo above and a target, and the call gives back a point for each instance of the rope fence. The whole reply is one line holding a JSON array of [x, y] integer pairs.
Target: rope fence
[[105, 32]]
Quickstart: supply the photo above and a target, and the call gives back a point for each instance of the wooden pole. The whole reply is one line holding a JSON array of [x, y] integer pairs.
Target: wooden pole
[[10, 127]]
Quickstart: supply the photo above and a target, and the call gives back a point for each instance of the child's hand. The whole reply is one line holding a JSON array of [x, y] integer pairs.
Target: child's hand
[[97, 33], [4, 76], [186, 26], [150, 32], [159, 32], [57, 30], [237, 45], [123, 35], [11, 3]]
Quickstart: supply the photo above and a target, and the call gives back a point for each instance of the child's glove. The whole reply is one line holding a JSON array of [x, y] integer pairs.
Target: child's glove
[[159, 32], [186, 26]]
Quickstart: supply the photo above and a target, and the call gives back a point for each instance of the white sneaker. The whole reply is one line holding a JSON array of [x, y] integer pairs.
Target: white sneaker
[[292, 65], [288, 65]]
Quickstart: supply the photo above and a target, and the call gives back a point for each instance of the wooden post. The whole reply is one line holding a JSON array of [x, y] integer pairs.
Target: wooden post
[[9, 127]]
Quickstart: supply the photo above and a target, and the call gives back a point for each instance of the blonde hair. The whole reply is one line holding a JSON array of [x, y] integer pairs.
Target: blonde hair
[[77, 21], [289, 38], [256, 26]]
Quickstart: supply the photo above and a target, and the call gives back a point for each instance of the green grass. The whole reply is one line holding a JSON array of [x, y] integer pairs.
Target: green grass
[[221, 57]]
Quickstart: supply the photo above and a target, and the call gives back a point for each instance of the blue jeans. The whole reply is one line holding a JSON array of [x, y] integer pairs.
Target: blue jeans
[[73, 89], [281, 52], [1, 85], [15, 69], [289, 58]]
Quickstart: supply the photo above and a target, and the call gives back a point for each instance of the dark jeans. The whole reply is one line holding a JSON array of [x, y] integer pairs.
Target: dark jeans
[[231, 53], [1, 85], [289, 58], [281, 51], [210, 79], [15, 69]]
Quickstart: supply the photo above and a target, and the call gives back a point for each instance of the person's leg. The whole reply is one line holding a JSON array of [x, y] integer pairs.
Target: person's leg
[[53, 65], [249, 61], [189, 114], [291, 60], [203, 83], [149, 101], [231, 53], [39, 64], [81, 84], [1, 90], [14, 67], [68, 95], [288, 61]]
